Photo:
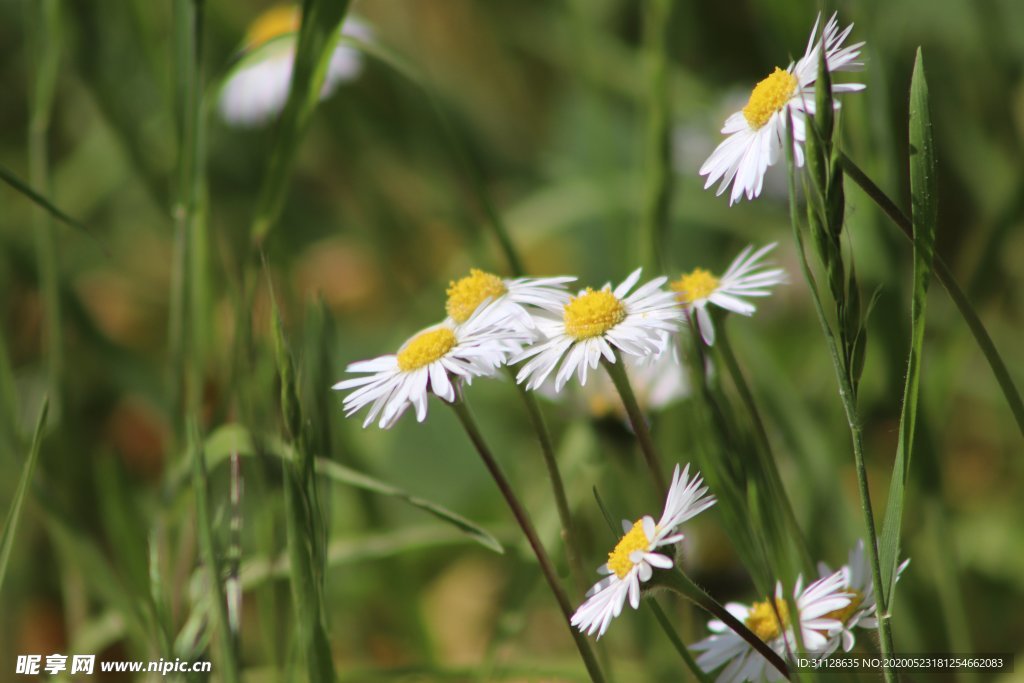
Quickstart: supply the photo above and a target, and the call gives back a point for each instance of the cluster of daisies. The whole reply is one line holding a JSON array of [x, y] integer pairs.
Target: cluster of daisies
[[829, 609], [547, 334]]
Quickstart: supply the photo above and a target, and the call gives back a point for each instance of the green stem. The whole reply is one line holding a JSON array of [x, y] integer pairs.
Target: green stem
[[677, 643], [659, 150], [188, 282], [724, 348], [208, 551], [617, 371], [848, 396], [945, 276], [681, 583], [557, 485], [523, 519], [45, 25]]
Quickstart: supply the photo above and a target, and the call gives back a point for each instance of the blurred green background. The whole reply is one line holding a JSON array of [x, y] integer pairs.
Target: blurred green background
[[548, 102]]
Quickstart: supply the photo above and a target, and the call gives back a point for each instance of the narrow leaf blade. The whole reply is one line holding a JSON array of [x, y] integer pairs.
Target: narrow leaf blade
[[345, 475], [21, 493], [318, 35], [924, 202]]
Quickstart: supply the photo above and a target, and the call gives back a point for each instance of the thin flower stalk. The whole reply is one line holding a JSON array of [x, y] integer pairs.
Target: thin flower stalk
[[638, 421], [557, 485], [526, 525], [847, 396]]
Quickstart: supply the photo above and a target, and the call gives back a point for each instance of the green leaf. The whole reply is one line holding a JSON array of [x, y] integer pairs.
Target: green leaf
[[234, 438], [924, 204], [344, 475], [945, 277], [21, 493], [318, 35]]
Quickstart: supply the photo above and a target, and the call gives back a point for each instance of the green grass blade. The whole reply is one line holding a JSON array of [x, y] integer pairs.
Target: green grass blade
[[306, 532], [924, 204], [234, 438], [103, 580], [945, 277], [41, 201], [187, 323], [207, 549], [10, 433], [21, 493], [345, 475], [677, 644], [318, 35], [658, 194]]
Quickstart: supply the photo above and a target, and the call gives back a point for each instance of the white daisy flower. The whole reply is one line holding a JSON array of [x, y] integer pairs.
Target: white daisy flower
[[514, 296], [257, 87], [861, 610], [756, 132], [657, 381], [426, 364], [594, 323], [745, 277], [742, 662], [634, 559]]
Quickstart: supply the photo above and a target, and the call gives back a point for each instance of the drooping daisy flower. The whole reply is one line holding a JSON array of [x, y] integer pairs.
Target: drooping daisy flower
[[745, 277], [657, 381], [427, 364], [861, 610], [756, 133], [466, 294], [594, 323], [257, 87], [634, 559], [742, 662]]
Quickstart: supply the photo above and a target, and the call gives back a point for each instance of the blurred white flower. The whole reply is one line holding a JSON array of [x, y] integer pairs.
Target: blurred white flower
[[257, 87], [771, 621], [861, 610]]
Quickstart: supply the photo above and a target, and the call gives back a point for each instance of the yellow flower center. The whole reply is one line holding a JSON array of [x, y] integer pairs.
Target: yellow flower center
[[635, 539], [699, 284], [763, 621], [768, 97], [842, 615], [466, 295], [425, 348], [592, 313], [275, 22]]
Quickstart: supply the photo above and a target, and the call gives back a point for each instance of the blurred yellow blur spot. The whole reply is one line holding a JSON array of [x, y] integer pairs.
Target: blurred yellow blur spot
[[699, 284], [275, 22]]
